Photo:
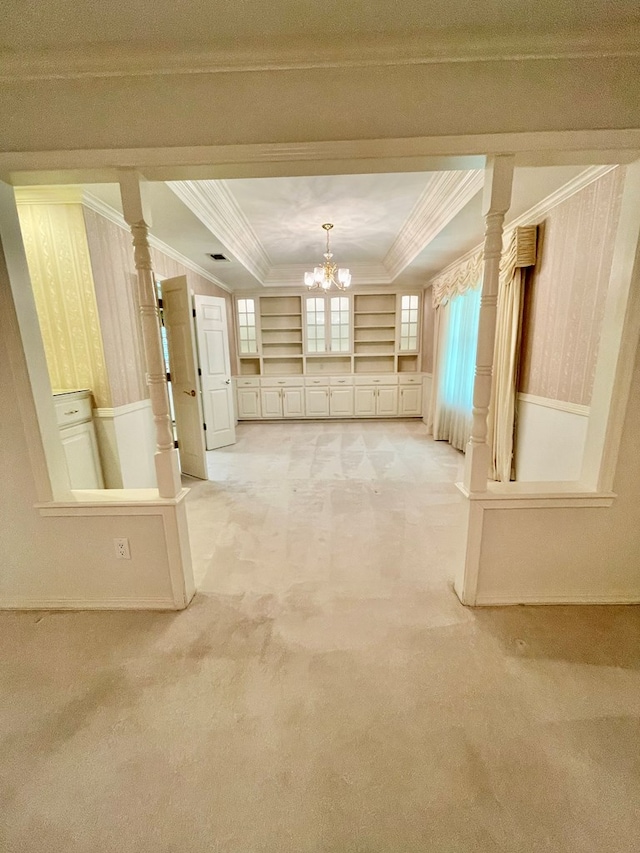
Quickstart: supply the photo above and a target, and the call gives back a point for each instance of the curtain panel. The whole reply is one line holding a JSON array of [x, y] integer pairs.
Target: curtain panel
[[450, 414], [458, 341]]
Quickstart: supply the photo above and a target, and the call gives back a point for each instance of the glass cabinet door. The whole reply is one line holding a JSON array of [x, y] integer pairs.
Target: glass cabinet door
[[247, 338], [316, 326], [340, 324], [409, 306], [328, 324]]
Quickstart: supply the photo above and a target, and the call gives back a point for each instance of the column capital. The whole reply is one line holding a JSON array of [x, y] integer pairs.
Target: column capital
[[135, 201], [498, 180]]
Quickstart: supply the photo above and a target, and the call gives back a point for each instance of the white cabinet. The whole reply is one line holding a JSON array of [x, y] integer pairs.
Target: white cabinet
[[365, 402], [78, 437], [282, 402], [341, 402], [333, 396], [248, 403], [376, 402], [316, 402], [410, 401], [271, 402], [387, 402], [293, 402]]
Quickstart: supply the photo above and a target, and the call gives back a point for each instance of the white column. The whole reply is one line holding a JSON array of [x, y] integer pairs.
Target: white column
[[138, 219], [495, 203]]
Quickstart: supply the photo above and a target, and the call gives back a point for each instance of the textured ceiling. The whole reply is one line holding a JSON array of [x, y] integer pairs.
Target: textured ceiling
[[33, 24], [367, 212]]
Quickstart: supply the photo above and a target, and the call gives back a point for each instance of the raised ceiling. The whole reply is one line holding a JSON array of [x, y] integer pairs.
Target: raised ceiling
[[390, 229]]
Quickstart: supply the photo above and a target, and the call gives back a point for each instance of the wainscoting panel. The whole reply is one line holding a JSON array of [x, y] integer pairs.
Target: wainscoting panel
[[550, 439]]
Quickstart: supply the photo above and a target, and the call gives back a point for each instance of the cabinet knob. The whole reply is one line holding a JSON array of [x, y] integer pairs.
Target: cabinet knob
[[72, 412]]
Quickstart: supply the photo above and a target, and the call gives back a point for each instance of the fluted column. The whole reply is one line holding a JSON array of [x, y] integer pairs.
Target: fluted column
[[496, 202], [138, 220]]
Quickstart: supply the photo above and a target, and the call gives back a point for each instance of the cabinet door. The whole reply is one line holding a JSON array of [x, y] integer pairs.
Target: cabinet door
[[411, 400], [316, 402], [248, 403], [81, 451], [341, 402], [293, 402], [365, 402], [387, 401], [271, 402]]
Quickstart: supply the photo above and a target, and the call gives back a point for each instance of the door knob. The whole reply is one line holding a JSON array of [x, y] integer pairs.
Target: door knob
[[227, 382], [191, 393]]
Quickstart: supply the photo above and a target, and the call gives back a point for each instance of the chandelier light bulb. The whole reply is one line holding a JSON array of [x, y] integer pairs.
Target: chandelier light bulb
[[325, 276]]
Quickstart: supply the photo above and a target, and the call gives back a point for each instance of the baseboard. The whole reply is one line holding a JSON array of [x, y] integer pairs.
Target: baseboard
[[88, 604], [575, 598]]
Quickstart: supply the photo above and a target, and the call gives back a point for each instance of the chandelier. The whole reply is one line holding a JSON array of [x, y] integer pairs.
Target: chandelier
[[324, 276]]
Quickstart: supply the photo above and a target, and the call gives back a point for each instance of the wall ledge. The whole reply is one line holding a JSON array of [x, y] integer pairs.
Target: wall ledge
[[613, 598], [89, 604], [93, 501], [537, 496]]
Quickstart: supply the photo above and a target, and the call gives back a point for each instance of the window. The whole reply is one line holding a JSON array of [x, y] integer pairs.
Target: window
[[248, 343], [409, 322]]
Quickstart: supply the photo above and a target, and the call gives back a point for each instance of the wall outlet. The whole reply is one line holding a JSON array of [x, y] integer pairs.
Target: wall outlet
[[122, 549]]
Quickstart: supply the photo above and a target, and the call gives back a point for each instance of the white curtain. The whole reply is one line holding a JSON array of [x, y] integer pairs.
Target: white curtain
[[506, 355], [457, 340]]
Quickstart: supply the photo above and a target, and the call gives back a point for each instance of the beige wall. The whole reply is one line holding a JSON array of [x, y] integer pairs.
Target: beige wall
[[566, 291], [115, 283], [115, 278], [60, 270], [428, 316]]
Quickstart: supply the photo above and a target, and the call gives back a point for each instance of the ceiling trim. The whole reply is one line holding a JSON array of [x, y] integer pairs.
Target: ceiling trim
[[431, 153], [444, 196], [216, 207], [287, 275], [426, 48], [48, 195], [529, 217], [105, 210]]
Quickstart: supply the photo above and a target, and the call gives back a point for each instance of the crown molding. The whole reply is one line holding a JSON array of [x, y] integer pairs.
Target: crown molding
[[216, 207], [107, 212], [444, 196], [48, 195], [425, 48], [534, 214], [292, 275]]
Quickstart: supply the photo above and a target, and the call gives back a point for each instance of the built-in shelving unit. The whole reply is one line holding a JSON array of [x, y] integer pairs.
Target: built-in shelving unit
[[374, 328], [279, 334], [328, 355]]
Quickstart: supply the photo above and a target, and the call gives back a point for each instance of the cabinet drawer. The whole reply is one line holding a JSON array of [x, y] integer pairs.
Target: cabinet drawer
[[248, 382], [282, 382], [74, 411], [416, 379], [316, 380], [341, 380], [376, 380]]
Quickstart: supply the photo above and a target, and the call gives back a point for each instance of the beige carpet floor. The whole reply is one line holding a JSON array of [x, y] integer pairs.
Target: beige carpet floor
[[326, 692]]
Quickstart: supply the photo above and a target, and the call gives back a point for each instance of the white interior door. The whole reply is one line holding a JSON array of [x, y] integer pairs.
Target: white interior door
[[183, 366], [215, 367]]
